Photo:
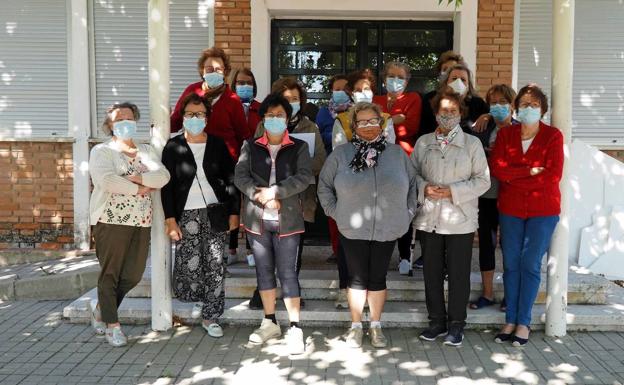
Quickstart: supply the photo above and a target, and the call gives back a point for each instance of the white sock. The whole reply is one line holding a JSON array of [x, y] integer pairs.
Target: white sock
[[356, 325], [375, 324]]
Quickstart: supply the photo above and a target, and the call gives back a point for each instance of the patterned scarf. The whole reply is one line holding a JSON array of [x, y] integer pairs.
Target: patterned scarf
[[335, 109], [445, 140], [366, 153]]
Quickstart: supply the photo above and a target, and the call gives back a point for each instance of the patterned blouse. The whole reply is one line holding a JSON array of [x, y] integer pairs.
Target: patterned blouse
[[129, 210]]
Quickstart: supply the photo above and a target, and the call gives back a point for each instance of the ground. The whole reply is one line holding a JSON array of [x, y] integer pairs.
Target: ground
[[37, 346]]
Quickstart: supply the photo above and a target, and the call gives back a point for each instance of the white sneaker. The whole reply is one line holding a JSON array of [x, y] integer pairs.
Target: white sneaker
[[116, 337], [98, 326], [231, 258], [250, 260], [265, 332], [214, 330], [197, 310], [294, 340], [404, 267], [353, 337], [341, 301]]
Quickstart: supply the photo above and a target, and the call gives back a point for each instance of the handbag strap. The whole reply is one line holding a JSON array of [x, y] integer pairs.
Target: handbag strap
[[201, 189]]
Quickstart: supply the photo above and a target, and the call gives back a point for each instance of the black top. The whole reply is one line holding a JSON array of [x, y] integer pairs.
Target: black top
[[219, 169]]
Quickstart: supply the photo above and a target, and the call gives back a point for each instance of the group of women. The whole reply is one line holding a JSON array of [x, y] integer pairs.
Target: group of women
[[383, 167]]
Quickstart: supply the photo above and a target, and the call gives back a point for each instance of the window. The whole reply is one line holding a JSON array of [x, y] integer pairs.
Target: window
[[314, 51]]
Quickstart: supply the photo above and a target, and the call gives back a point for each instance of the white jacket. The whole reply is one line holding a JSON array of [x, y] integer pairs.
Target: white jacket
[[464, 169], [107, 165]]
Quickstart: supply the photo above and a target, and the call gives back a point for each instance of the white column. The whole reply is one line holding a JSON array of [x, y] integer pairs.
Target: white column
[[160, 252], [79, 117], [562, 65]]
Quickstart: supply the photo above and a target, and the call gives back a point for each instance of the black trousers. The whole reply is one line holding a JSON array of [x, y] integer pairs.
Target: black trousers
[[488, 226], [456, 249], [404, 243], [343, 269], [367, 262]]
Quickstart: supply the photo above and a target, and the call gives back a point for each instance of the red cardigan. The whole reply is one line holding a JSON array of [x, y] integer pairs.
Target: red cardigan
[[410, 105], [253, 117], [226, 121], [520, 194]]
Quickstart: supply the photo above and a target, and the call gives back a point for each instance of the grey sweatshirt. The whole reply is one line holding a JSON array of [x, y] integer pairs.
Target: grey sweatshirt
[[376, 204]]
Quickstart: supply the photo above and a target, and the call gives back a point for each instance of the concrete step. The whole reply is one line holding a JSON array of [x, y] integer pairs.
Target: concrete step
[[323, 285], [607, 317]]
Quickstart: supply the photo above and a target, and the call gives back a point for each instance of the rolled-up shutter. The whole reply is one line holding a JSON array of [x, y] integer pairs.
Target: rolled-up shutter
[[598, 104], [33, 69], [121, 52]]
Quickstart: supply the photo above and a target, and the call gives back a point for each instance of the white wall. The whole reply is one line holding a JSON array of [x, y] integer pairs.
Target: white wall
[[262, 11]]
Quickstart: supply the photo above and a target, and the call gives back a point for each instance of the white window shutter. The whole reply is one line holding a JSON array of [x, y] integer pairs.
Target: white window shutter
[[33, 69], [121, 53]]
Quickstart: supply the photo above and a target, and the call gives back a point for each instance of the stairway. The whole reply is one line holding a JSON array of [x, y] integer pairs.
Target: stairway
[[595, 303]]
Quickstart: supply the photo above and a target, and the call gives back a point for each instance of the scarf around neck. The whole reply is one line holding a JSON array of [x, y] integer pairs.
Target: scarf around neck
[[366, 153], [335, 108]]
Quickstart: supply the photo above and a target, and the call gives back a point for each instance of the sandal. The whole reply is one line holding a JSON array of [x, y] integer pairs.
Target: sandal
[[480, 303]]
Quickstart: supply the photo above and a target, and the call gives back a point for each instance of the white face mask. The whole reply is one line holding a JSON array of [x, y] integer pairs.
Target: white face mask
[[364, 96], [458, 86]]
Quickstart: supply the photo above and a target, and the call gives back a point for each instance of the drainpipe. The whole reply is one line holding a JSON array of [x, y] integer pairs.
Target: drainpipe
[[558, 255], [160, 252]]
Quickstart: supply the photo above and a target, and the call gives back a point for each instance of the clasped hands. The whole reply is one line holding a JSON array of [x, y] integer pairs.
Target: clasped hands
[[138, 179], [266, 197], [435, 192]]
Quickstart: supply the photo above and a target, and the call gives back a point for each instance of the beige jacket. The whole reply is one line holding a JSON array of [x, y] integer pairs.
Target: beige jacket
[[464, 169], [304, 126]]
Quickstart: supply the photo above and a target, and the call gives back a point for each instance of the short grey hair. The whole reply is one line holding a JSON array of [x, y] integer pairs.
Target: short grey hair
[[107, 125], [398, 64], [364, 106]]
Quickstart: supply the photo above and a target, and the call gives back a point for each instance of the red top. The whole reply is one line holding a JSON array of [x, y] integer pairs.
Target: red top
[[253, 117], [227, 119], [408, 104], [520, 194]]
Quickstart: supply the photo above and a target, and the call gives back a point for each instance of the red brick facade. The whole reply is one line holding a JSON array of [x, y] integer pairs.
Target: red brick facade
[[36, 195], [233, 31]]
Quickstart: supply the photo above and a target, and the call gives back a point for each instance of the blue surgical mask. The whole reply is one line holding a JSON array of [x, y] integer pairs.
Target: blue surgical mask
[[296, 106], [340, 97], [245, 92], [499, 112], [529, 115], [213, 79], [125, 129], [194, 125], [364, 96], [395, 85], [275, 125]]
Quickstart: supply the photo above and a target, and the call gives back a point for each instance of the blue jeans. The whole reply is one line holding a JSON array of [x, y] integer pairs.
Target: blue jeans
[[524, 242]]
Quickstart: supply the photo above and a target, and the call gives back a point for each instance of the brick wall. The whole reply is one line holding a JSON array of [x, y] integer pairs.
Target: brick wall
[[233, 31], [494, 43], [617, 154], [36, 195]]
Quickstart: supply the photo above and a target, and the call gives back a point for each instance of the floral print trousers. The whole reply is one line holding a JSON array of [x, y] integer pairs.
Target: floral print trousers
[[198, 272]]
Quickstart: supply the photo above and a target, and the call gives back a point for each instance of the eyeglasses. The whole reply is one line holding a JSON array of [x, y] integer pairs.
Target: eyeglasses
[[367, 122], [201, 115], [209, 69]]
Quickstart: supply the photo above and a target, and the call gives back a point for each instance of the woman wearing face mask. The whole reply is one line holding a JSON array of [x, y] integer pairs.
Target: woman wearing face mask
[[361, 88], [339, 102], [293, 91], [452, 172], [446, 60], [227, 119], [528, 162], [125, 176], [272, 173], [500, 98], [244, 85], [404, 107], [201, 204], [369, 188]]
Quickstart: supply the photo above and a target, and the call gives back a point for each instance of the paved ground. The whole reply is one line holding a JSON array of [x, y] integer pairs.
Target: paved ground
[[37, 346]]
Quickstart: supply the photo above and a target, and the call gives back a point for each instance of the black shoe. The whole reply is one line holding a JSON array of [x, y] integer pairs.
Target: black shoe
[[255, 303], [455, 336], [332, 259], [419, 263], [433, 332], [301, 303], [519, 342], [502, 337]]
